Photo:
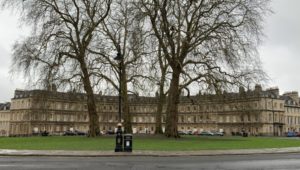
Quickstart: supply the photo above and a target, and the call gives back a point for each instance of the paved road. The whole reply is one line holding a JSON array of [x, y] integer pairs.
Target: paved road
[[233, 162]]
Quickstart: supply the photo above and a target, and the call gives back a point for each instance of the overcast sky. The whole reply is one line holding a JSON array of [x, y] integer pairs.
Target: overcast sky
[[280, 51]]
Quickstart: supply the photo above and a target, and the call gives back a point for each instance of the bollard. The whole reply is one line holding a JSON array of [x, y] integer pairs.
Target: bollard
[[119, 139]]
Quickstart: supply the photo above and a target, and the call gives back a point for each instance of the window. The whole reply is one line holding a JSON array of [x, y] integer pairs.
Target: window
[[188, 119], [65, 117], [66, 106], [207, 108], [199, 118], [163, 118], [182, 119], [58, 106], [227, 118], [256, 118]]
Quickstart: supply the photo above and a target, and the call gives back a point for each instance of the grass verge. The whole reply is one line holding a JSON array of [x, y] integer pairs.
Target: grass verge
[[154, 143]]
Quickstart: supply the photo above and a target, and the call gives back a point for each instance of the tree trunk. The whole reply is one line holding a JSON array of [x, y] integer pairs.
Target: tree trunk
[[94, 129], [172, 106], [160, 104], [162, 95], [126, 114]]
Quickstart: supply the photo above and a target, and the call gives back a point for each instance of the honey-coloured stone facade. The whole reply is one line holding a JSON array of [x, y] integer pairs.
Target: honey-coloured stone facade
[[255, 111]]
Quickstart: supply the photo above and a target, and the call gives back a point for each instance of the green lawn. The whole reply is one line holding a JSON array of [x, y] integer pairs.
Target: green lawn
[[157, 143]]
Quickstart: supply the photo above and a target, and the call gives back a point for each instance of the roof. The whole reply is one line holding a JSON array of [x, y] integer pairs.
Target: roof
[[5, 106]]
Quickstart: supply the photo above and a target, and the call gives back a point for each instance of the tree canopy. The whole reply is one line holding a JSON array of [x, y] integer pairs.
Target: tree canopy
[[168, 46]]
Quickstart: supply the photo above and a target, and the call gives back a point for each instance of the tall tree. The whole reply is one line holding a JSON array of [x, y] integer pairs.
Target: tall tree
[[210, 42], [58, 48], [123, 31], [159, 78], [163, 67]]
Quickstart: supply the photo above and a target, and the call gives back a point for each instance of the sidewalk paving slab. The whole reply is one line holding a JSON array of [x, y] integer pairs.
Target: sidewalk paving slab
[[67, 153]]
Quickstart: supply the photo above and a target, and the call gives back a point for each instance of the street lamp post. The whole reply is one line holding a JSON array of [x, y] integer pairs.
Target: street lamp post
[[274, 134], [120, 59], [119, 136]]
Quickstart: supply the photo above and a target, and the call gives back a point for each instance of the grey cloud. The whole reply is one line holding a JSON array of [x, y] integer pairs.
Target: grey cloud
[[5, 58], [280, 51], [283, 27]]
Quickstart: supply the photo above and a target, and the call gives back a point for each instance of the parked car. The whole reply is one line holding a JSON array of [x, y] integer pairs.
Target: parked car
[[110, 132], [189, 132], [218, 133], [195, 133], [44, 133], [69, 133], [79, 133], [237, 133], [181, 133], [206, 133], [291, 134], [142, 132]]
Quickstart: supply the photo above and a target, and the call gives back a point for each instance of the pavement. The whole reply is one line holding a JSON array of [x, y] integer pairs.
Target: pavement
[[67, 153]]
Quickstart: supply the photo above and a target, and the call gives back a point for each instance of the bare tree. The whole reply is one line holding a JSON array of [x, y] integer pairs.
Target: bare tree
[[158, 77], [210, 42], [57, 49], [163, 67], [125, 36]]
